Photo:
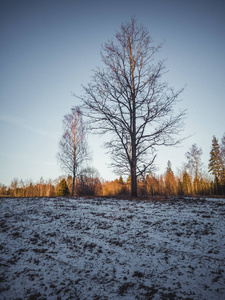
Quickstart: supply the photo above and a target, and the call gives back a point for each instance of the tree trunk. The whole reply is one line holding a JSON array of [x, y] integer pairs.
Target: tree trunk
[[133, 129], [133, 154], [133, 181], [133, 167], [73, 184]]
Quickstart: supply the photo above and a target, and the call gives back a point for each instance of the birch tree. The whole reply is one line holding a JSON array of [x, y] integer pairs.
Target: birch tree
[[195, 165], [73, 146], [194, 160], [128, 100]]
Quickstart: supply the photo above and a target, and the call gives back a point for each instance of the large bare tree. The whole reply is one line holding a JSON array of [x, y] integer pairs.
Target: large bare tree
[[128, 99], [73, 146]]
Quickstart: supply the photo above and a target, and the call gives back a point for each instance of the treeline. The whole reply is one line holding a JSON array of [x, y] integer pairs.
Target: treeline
[[163, 185], [192, 180], [19, 188], [166, 185], [62, 186]]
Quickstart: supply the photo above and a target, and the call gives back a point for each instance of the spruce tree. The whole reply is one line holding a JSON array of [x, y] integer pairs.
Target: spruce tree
[[121, 180], [170, 181], [187, 188], [222, 150], [215, 161], [169, 168], [62, 188]]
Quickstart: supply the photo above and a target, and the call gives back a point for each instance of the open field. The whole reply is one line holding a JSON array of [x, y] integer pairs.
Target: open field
[[112, 249]]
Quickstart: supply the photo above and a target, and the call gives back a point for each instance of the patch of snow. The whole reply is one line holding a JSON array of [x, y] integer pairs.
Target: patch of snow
[[112, 249]]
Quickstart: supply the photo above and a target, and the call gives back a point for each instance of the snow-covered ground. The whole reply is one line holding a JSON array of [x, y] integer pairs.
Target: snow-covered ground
[[112, 249]]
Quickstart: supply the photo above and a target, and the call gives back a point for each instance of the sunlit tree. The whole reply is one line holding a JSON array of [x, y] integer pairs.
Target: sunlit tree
[[186, 183], [215, 163], [62, 188], [121, 180], [170, 181], [50, 189], [222, 149], [3, 190], [89, 183], [73, 145], [14, 186], [194, 163], [152, 185]]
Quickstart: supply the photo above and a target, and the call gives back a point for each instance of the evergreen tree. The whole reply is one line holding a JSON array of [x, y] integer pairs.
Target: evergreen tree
[[121, 180], [222, 149], [215, 161], [187, 188], [152, 185], [170, 181], [215, 164], [169, 167], [62, 188], [129, 179]]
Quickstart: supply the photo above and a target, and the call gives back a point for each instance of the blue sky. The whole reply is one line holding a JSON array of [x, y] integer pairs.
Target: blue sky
[[48, 49]]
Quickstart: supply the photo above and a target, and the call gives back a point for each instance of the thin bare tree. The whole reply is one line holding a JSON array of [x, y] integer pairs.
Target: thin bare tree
[[127, 99], [73, 145], [194, 163]]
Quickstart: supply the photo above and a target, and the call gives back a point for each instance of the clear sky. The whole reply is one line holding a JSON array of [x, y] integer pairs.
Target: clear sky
[[48, 49]]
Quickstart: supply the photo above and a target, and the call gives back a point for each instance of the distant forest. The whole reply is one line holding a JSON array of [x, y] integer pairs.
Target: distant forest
[[191, 181]]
